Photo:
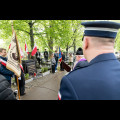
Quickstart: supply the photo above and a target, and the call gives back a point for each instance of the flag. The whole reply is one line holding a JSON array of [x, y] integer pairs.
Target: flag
[[60, 55], [21, 52], [34, 49], [9, 46], [59, 95], [14, 57], [66, 67], [26, 48]]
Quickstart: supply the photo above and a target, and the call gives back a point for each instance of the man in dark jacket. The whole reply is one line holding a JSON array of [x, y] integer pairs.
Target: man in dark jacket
[[3, 70], [6, 92], [38, 56], [56, 58], [46, 55], [61, 64]]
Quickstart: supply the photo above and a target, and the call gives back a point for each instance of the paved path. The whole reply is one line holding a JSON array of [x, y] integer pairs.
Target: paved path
[[45, 88]]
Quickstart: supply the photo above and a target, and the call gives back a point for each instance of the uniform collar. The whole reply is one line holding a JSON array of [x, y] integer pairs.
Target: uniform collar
[[103, 57]]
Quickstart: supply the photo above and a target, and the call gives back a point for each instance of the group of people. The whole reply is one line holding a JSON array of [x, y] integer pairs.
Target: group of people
[[76, 58], [55, 56], [55, 60], [5, 79], [95, 76], [38, 56]]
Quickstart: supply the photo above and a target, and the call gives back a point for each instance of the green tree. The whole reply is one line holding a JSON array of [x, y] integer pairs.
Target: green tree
[[47, 33]]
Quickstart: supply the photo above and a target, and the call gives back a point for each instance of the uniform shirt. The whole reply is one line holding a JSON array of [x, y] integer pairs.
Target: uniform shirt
[[100, 80]]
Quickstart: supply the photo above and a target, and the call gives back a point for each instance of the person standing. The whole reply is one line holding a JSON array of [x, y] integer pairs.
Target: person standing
[[100, 80], [38, 56], [53, 63], [63, 59], [3, 70], [21, 80], [71, 60], [56, 59], [46, 55]]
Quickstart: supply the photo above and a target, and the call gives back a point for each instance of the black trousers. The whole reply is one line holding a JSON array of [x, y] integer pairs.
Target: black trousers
[[46, 58], [53, 68], [21, 83], [61, 66], [38, 59]]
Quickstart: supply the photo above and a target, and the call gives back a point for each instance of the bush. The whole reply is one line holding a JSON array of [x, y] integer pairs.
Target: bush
[[44, 69], [26, 76]]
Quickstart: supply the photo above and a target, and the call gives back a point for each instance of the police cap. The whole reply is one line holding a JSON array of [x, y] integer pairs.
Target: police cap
[[106, 29]]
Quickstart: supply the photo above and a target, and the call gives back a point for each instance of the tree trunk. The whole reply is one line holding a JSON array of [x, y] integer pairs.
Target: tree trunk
[[74, 44], [50, 41], [31, 34], [50, 44]]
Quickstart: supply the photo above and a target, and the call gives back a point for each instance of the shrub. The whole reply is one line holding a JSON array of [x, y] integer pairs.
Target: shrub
[[44, 69], [26, 76]]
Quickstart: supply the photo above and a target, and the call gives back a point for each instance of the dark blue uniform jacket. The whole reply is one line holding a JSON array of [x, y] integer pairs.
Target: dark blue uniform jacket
[[81, 64], [100, 80], [4, 71]]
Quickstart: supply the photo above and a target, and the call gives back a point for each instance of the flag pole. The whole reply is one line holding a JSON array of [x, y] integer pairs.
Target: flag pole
[[16, 75]]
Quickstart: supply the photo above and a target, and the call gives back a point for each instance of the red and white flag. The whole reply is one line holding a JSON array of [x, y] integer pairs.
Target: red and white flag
[[34, 49], [9, 46], [26, 48], [59, 95], [21, 52]]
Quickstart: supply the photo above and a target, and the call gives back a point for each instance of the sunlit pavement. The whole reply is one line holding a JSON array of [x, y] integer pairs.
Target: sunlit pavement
[[47, 90]]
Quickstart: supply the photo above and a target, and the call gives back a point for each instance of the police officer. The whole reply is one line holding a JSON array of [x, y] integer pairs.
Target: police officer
[[100, 80]]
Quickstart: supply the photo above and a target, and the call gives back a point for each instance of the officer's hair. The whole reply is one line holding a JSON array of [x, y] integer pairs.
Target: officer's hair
[[103, 41], [1, 49]]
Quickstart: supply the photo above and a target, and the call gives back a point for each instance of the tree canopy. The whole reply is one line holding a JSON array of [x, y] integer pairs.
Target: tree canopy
[[48, 34]]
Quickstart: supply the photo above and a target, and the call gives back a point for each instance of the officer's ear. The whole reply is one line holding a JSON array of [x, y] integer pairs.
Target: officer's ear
[[86, 43]]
